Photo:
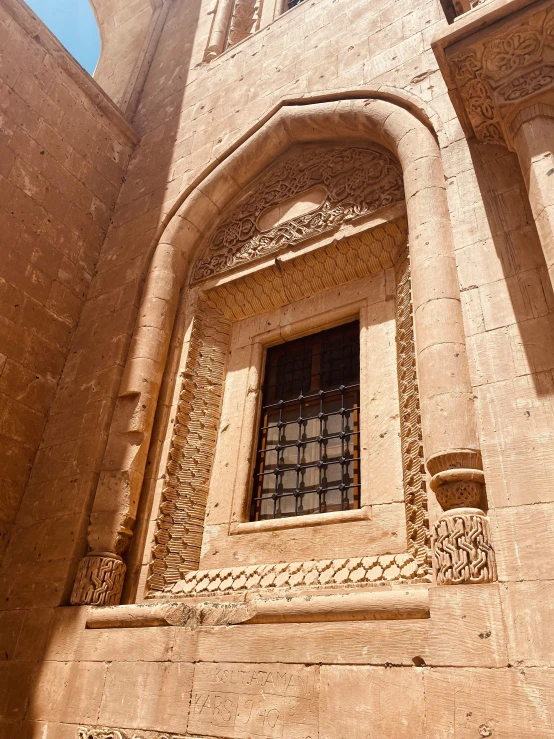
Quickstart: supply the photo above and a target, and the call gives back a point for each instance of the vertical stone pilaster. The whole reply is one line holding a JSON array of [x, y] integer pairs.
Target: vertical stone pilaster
[[532, 134]]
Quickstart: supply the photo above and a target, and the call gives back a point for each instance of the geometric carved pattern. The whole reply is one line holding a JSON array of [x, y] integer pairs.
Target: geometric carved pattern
[[88, 733], [340, 262], [415, 496], [328, 573], [180, 524], [495, 73], [246, 14], [99, 581], [463, 551], [357, 181]]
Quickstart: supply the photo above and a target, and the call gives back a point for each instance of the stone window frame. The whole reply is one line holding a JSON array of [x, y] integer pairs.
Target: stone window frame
[[462, 542], [223, 295], [240, 522]]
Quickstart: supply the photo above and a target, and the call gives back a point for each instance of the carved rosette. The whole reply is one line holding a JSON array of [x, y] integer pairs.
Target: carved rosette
[[499, 73], [357, 181], [99, 580], [462, 543]]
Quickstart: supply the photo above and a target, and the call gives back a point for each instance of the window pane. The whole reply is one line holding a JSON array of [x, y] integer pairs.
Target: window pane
[[308, 441]]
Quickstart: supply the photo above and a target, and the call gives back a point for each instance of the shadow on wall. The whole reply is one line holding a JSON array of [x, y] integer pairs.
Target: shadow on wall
[[43, 693], [513, 298]]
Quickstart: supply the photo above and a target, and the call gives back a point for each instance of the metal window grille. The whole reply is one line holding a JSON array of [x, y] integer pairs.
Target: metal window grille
[[293, 3], [308, 455]]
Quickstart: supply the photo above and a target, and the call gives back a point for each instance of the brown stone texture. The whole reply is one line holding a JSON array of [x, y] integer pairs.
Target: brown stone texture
[[89, 194], [62, 162]]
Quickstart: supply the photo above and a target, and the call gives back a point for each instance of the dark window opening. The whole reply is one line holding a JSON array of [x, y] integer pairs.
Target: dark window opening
[[293, 3], [308, 454]]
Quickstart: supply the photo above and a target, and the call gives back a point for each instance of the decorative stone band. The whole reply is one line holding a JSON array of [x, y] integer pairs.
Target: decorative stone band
[[326, 573], [99, 580], [93, 733], [462, 551]]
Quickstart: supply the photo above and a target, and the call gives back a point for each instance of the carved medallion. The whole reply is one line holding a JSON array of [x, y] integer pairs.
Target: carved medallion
[[357, 181]]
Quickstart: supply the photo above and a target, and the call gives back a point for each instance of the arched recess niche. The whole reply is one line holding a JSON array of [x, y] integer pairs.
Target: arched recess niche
[[449, 435]]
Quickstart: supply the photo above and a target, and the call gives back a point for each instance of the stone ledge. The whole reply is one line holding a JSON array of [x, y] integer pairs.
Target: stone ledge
[[376, 606], [298, 522]]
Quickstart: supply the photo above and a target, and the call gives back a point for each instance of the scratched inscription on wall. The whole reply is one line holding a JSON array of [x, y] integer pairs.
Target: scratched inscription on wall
[[242, 701]]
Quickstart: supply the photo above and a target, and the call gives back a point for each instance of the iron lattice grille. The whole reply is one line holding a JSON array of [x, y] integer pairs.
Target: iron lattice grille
[[308, 456]]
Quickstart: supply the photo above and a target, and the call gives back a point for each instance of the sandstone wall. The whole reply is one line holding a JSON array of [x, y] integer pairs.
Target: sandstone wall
[[482, 664], [62, 160], [126, 30]]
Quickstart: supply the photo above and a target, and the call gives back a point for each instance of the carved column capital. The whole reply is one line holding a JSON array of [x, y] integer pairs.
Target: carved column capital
[[99, 580]]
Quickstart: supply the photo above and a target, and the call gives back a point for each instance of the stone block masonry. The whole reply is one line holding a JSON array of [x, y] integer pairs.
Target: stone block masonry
[[62, 162], [132, 362]]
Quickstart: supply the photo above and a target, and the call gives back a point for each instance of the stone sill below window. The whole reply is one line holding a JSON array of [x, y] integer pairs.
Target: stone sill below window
[[301, 522]]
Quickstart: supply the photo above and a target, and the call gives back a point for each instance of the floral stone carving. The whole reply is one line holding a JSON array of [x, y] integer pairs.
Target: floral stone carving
[[495, 73], [357, 181]]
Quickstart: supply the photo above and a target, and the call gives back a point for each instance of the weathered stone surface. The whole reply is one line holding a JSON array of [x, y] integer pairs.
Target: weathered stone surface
[[142, 279]]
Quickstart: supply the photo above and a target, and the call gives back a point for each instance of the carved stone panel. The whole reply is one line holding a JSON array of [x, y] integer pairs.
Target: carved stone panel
[[358, 180], [239, 701], [498, 72], [95, 733]]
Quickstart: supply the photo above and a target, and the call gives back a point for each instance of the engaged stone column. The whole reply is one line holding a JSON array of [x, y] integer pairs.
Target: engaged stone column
[[462, 549], [101, 573], [532, 132], [220, 29]]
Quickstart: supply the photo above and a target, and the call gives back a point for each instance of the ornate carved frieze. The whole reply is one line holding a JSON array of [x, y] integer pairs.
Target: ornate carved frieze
[[283, 283], [327, 574], [92, 733], [358, 180], [180, 523], [499, 71]]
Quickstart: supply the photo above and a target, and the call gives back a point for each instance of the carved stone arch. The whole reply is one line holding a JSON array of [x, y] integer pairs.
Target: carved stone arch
[[448, 419]]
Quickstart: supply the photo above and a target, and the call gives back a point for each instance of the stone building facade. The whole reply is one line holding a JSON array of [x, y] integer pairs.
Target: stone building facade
[[243, 185]]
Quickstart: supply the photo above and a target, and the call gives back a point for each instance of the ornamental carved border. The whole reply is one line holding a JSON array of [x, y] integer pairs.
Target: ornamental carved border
[[174, 568], [496, 73], [84, 732], [357, 181]]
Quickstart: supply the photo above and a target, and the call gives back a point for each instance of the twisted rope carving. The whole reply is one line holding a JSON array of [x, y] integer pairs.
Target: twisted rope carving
[[99, 581], [463, 551], [415, 495]]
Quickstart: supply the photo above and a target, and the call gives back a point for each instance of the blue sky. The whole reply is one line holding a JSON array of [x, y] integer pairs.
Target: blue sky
[[73, 22]]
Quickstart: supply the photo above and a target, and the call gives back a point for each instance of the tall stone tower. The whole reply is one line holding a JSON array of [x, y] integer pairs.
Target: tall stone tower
[[276, 372]]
